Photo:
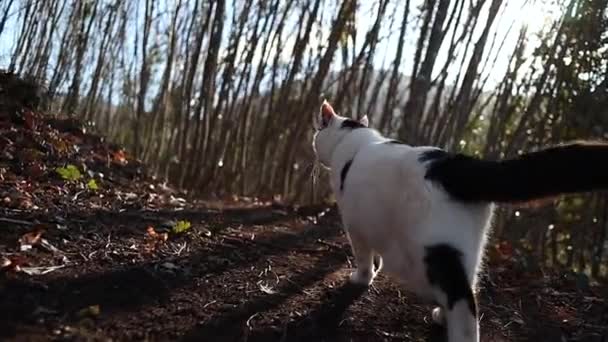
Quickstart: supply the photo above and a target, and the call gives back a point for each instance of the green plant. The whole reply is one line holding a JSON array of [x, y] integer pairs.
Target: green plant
[[181, 226], [69, 173], [92, 184]]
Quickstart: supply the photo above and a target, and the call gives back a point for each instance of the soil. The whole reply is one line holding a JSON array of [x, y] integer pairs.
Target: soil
[[106, 261]]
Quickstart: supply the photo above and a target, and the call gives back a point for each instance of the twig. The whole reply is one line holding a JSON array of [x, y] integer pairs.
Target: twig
[[181, 249], [211, 302], [14, 221], [330, 244], [250, 318]]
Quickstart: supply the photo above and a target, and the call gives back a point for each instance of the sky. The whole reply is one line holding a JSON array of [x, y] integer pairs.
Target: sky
[[534, 14], [514, 14]]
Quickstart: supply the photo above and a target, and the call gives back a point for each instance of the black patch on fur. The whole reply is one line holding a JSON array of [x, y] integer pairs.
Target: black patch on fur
[[343, 173], [445, 270], [577, 167], [352, 124], [432, 155], [394, 141]]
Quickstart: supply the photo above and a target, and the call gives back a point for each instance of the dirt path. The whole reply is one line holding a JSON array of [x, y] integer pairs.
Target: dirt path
[[250, 275]]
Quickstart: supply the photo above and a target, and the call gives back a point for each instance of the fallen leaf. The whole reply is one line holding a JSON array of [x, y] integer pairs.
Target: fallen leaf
[[181, 226], [267, 289], [13, 263], [59, 145], [27, 204], [40, 270], [5, 262], [92, 185], [130, 196], [177, 201], [69, 173], [152, 233], [154, 239], [35, 170], [28, 117], [505, 248], [119, 157], [28, 240], [92, 310]]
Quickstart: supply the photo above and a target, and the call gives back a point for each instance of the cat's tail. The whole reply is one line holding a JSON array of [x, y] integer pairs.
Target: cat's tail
[[575, 167]]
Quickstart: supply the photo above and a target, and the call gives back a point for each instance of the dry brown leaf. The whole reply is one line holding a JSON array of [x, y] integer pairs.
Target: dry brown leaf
[[120, 157], [35, 170], [154, 239], [30, 120], [27, 240], [13, 263], [5, 262], [505, 249]]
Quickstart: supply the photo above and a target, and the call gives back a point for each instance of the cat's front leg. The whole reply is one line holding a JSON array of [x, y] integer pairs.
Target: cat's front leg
[[364, 258]]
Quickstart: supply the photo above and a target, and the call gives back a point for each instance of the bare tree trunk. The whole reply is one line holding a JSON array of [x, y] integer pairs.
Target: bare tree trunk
[[91, 100], [541, 83], [27, 28], [144, 77], [346, 11], [159, 108], [4, 16], [63, 56], [421, 80], [395, 79], [464, 105], [207, 92], [82, 40]]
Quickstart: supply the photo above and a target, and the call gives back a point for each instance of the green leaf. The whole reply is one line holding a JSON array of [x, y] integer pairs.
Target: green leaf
[[69, 173], [92, 185], [180, 227]]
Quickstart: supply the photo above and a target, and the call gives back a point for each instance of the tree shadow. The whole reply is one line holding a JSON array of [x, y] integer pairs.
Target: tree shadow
[[324, 321], [128, 288], [132, 222], [321, 324], [236, 325]]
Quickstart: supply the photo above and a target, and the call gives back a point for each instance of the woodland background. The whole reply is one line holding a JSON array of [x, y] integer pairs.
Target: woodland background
[[217, 97]]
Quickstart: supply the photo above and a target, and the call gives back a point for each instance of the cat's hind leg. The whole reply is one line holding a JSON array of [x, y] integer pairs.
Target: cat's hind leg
[[450, 282], [365, 260], [438, 315]]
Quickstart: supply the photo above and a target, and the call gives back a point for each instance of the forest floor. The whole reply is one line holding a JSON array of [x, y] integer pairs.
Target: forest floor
[[91, 249]]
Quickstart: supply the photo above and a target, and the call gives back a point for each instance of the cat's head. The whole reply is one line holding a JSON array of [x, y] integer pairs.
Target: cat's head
[[330, 129]]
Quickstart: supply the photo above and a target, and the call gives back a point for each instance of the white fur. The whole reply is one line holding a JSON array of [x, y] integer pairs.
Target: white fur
[[389, 209]]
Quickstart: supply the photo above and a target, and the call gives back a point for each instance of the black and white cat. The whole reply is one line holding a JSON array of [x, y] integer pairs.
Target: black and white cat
[[425, 212]]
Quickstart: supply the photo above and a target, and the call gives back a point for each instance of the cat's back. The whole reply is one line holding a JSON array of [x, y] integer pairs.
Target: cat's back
[[385, 179], [390, 162]]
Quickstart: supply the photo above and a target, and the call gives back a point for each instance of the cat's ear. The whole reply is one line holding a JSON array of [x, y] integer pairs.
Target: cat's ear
[[327, 113], [364, 121]]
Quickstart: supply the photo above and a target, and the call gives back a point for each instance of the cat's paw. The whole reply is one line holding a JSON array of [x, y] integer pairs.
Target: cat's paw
[[362, 277], [438, 316]]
